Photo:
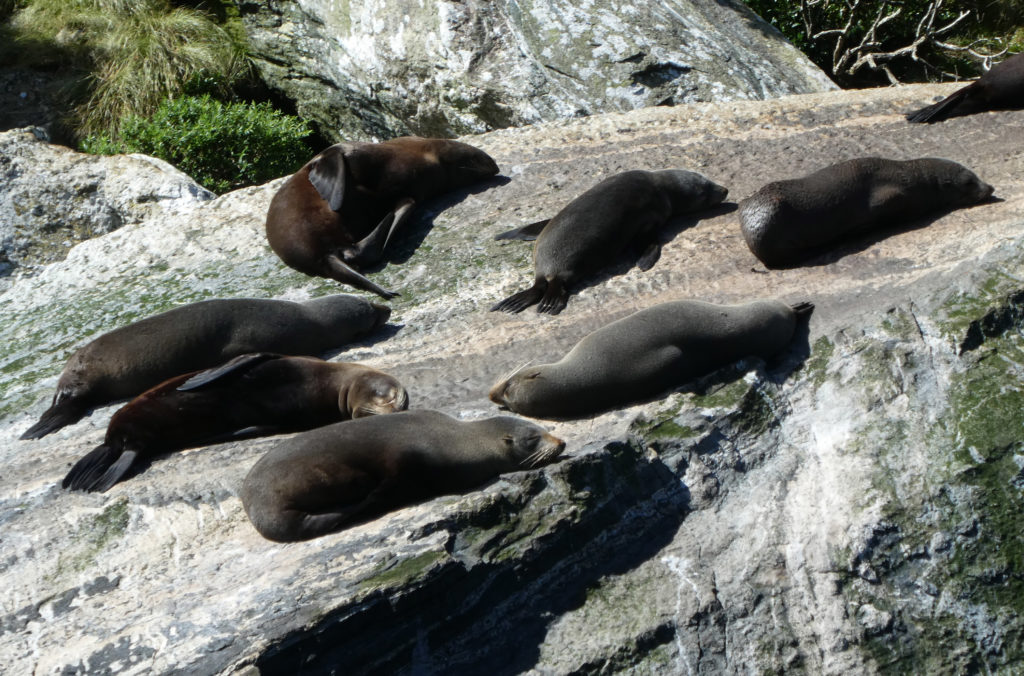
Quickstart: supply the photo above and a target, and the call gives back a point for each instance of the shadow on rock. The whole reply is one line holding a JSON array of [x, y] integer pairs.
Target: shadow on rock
[[530, 555]]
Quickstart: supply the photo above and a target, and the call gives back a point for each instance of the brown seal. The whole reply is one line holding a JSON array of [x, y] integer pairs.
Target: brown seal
[[330, 478], [1001, 88], [337, 213], [647, 353], [128, 361], [787, 221], [624, 210], [251, 395]]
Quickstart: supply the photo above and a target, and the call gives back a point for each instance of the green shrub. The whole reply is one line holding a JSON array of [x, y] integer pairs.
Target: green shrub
[[222, 146]]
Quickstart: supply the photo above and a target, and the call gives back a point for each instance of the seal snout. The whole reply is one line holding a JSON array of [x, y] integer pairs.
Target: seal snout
[[498, 392], [549, 447], [383, 314]]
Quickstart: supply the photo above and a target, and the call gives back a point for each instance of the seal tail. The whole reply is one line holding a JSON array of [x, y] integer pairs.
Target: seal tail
[[63, 412], [100, 469], [802, 309], [941, 110], [518, 302]]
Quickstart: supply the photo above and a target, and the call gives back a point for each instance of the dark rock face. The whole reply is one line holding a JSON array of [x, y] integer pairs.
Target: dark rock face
[[388, 68], [853, 506]]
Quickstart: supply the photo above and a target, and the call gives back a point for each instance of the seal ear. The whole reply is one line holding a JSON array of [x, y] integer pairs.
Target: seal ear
[[327, 173]]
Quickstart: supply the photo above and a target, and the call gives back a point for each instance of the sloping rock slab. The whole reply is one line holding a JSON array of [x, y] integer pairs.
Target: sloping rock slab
[[853, 506]]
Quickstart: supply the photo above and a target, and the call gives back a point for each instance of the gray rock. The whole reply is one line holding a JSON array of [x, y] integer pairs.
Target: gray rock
[[386, 68], [54, 197], [722, 529]]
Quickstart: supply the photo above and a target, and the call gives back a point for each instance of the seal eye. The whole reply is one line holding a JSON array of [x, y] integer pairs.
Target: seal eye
[[508, 439]]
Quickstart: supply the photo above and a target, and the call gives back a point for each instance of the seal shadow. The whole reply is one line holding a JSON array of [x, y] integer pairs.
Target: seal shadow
[[831, 253], [478, 595], [385, 332], [409, 239]]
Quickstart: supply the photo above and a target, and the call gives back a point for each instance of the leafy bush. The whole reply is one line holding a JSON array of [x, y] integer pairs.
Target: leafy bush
[[222, 146]]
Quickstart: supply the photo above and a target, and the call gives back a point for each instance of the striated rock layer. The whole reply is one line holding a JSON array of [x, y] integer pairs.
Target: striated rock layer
[[853, 506], [386, 67]]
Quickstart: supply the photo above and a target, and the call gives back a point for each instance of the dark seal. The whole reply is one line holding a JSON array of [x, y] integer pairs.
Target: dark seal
[[624, 210], [327, 479], [646, 354], [1001, 88], [787, 221], [251, 395], [336, 214], [128, 361]]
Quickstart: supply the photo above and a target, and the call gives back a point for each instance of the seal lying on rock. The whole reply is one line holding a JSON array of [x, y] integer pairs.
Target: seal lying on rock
[[327, 479], [1001, 88], [251, 395], [592, 230], [647, 353], [128, 361], [336, 214], [787, 221]]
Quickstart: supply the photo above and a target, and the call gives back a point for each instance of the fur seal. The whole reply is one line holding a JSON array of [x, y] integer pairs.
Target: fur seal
[[647, 353], [787, 221], [337, 213], [128, 361], [333, 477], [1001, 88], [590, 231], [251, 395]]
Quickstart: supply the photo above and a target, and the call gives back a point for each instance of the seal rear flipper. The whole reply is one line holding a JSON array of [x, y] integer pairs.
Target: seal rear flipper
[[556, 297], [237, 365], [527, 233], [649, 257], [100, 469], [341, 271], [64, 412], [941, 110], [518, 302], [802, 309]]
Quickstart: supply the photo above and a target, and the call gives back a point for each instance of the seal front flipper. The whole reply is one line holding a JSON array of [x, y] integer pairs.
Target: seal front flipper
[[649, 257], [518, 302], [341, 271], [327, 174], [64, 411], [237, 365], [99, 469], [527, 233]]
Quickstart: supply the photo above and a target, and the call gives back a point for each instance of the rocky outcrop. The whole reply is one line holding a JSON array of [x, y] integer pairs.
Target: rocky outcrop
[[54, 197], [853, 506], [386, 68]]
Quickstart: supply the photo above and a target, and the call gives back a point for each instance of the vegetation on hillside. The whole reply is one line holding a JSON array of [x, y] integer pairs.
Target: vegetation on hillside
[[160, 77], [871, 42]]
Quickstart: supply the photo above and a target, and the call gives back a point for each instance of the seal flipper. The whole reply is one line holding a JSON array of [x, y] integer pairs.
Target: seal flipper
[[527, 233], [518, 302], [370, 249], [240, 363], [941, 110], [327, 174], [341, 271], [649, 257], [556, 297], [99, 469], [64, 411]]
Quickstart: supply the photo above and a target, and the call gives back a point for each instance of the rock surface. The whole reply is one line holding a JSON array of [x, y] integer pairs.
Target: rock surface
[[852, 507], [387, 67], [54, 197]]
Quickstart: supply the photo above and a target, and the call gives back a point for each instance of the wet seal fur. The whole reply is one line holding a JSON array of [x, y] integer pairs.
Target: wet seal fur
[[787, 221], [1001, 88], [252, 395], [624, 210], [650, 352], [128, 361], [336, 214], [330, 478]]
